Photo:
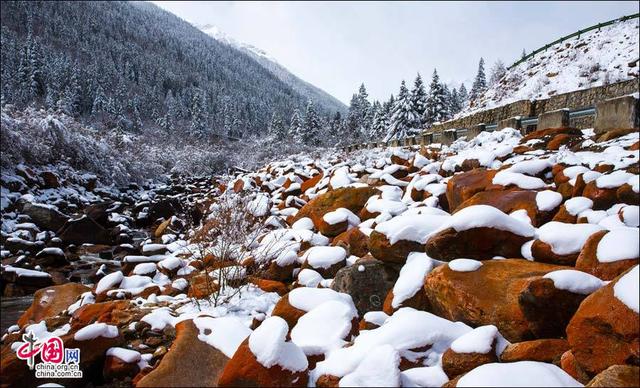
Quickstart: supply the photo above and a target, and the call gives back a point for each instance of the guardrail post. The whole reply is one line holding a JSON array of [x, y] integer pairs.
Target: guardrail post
[[513, 122], [475, 130], [449, 136], [427, 138], [616, 113], [554, 119]]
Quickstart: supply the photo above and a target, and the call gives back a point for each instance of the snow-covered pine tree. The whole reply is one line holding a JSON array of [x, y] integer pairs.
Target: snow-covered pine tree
[[479, 84], [72, 97], [296, 127], [99, 101], [359, 117], [380, 123], [497, 72], [464, 96], [276, 128], [436, 102], [312, 126], [197, 128], [448, 110], [403, 116], [419, 100], [455, 103]]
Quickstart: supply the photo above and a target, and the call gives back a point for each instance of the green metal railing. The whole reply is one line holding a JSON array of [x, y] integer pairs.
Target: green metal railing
[[577, 33]]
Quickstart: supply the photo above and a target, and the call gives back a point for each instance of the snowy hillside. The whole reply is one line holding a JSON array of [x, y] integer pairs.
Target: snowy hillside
[[594, 59], [322, 98]]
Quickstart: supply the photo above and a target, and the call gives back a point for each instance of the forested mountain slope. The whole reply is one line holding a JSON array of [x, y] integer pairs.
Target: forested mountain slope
[[129, 64]]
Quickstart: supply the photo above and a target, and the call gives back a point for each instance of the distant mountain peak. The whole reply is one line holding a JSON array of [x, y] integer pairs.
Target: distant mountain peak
[[222, 37]]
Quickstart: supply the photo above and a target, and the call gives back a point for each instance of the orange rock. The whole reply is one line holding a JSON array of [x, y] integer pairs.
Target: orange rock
[[51, 301], [477, 243], [286, 311], [510, 201], [201, 286], [419, 302], [625, 194], [454, 364], [563, 139], [569, 365], [464, 186], [588, 261], [116, 369], [544, 350], [244, 370], [383, 250], [564, 216], [270, 285], [309, 183], [352, 198], [604, 332], [353, 241], [543, 253], [328, 381], [189, 362], [617, 376], [602, 199], [106, 312], [510, 294]]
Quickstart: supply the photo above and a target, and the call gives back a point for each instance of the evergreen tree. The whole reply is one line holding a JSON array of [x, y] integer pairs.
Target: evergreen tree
[[497, 72], [448, 109], [479, 84], [464, 96], [436, 110], [524, 54], [72, 97], [404, 116], [296, 128], [456, 103], [419, 100], [276, 128], [312, 126], [198, 120], [99, 101], [360, 116], [380, 123]]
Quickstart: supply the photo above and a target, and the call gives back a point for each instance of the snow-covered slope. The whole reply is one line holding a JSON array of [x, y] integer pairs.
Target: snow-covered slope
[[593, 59], [319, 96]]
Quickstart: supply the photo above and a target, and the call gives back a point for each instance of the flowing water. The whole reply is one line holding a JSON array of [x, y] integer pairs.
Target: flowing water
[[11, 309]]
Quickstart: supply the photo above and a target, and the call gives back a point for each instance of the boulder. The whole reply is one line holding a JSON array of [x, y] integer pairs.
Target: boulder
[[84, 230], [382, 249], [617, 376], [368, 282], [353, 241], [245, 368], [463, 186], [189, 362], [45, 216], [477, 243], [454, 364], [544, 350], [588, 259], [51, 301], [605, 331], [510, 201], [351, 198], [115, 312], [510, 294]]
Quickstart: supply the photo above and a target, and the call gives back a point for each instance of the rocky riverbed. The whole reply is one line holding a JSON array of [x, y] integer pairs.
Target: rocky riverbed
[[500, 260]]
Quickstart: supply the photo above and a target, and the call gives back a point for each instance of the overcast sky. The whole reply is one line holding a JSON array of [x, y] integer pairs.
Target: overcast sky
[[338, 45]]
